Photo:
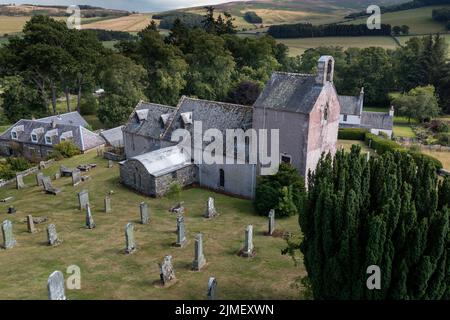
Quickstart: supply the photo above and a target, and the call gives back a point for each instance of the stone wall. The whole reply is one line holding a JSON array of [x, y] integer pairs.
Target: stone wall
[[113, 156], [26, 172], [185, 177]]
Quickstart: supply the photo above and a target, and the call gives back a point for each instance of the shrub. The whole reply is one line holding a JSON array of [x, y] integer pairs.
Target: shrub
[[352, 134], [381, 145], [18, 164], [6, 172], [67, 149], [89, 105], [174, 192], [418, 156]]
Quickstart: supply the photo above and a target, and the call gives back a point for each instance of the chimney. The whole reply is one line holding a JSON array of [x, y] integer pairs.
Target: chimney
[[392, 111], [53, 123]]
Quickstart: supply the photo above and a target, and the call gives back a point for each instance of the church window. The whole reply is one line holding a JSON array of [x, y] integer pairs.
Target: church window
[[329, 70], [325, 113], [286, 158], [345, 118], [221, 178]]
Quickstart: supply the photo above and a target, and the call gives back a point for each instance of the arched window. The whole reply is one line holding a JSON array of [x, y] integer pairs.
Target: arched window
[[325, 112], [221, 178], [329, 70]]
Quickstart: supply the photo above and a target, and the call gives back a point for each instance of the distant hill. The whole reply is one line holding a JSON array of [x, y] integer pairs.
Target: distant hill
[[26, 10]]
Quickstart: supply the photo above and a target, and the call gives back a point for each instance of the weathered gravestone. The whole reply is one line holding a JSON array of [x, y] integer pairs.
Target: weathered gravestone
[[167, 274], [108, 204], [199, 259], [110, 164], [65, 172], [76, 177], [212, 289], [55, 286], [52, 236], [129, 239], [8, 237], [271, 222], [48, 187], [30, 224], [90, 224], [19, 182], [57, 176], [210, 211], [181, 232], [83, 199], [248, 250], [145, 218], [39, 178]]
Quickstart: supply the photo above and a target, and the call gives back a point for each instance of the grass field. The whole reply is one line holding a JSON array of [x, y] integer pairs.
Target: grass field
[[9, 25], [347, 145], [419, 20], [107, 273], [299, 46], [134, 22]]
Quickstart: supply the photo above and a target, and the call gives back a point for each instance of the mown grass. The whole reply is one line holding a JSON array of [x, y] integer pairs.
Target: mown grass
[[107, 273]]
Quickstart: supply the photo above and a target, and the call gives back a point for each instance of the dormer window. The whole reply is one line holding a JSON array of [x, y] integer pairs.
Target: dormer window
[[142, 114], [34, 137], [187, 117], [14, 135], [48, 140], [15, 132], [49, 136], [36, 133], [66, 136]]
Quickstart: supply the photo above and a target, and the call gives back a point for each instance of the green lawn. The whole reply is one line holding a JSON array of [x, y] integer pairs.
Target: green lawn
[[347, 145], [107, 273], [419, 20]]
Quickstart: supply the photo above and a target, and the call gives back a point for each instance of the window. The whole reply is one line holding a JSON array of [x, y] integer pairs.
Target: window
[[14, 135], [329, 70], [345, 118], [221, 178], [63, 139], [286, 158], [325, 113], [48, 140], [34, 137]]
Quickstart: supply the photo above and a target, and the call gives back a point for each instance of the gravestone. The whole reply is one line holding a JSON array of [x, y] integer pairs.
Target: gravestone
[[108, 204], [145, 218], [83, 199], [178, 209], [271, 222], [55, 286], [181, 232], [248, 250], [39, 178], [19, 182], [110, 164], [167, 274], [199, 259], [129, 239], [48, 187], [212, 289], [30, 224], [8, 237], [210, 211], [42, 165], [76, 177], [57, 175], [52, 236], [90, 224]]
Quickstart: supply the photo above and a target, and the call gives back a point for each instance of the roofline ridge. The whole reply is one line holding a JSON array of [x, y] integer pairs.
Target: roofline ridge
[[220, 102], [294, 73]]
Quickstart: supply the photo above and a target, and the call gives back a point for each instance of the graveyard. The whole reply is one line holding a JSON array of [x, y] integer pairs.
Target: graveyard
[[107, 272]]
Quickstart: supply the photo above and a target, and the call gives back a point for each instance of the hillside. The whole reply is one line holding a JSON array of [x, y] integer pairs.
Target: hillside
[[56, 11]]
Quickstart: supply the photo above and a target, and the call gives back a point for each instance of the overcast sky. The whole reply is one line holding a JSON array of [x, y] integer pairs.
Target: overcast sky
[[130, 5]]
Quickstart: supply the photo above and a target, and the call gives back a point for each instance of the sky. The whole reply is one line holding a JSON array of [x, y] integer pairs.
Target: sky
[[130, 5]]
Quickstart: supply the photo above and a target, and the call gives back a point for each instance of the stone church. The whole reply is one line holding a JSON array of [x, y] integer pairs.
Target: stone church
[[304, 107]]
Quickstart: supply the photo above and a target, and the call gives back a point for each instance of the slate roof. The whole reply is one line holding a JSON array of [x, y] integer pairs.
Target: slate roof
[[163, 161], [350, 105], [377, 120], [114, 136], [82, 137], [70, 118], [290, 92], [152, 125], [212, 114]]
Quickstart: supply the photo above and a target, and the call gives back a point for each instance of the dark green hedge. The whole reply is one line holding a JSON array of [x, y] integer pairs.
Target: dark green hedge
[[422, 156], [352, 134]]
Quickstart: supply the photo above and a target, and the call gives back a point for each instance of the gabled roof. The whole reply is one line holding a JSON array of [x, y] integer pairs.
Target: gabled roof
[[152, 125], [113, 136], [212, 114], [350, 105], [163, 161], [70, 118], [377, 120], [290, 92]]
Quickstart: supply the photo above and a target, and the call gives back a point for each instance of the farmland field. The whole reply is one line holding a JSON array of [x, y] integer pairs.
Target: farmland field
[[419, 20], [134, 22], [9, 25]]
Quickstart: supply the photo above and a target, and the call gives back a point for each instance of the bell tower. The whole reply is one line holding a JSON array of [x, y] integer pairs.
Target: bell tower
[[325, 70]]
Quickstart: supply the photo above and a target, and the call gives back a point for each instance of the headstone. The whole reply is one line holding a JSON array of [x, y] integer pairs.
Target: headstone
[[76, 177], [48, 187], [55, 286], [42, 165], [212, 289], [11, 210], [90, 224], [167, 274], [145, 218], [39, 178], [271, 222], [83, 199], [248, 249], [6, 199], [85, 178], [210, 211], [108, 204], [57, 175], [181, 232], [8, 237], [129, 239], [110, 164], [199, 259], [65, 172], [30, 224], [178, 209], [52, 235], [19, 182]]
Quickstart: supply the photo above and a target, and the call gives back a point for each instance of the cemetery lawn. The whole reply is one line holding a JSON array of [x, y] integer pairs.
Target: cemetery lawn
[[107, 273]]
